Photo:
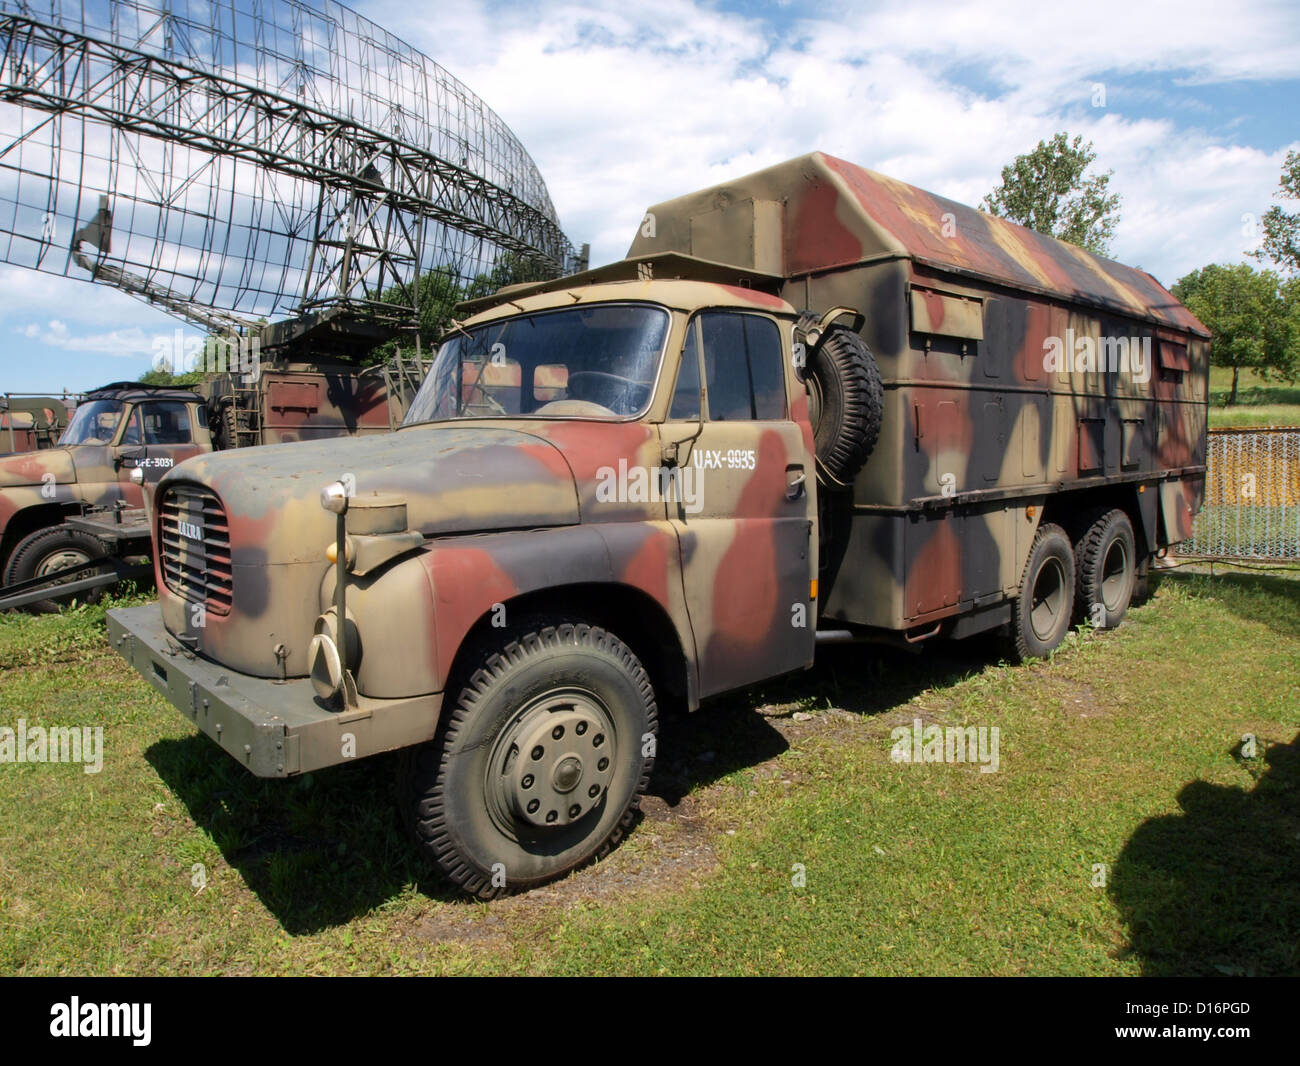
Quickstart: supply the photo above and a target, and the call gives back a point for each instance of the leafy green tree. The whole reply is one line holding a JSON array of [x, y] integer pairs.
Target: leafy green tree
[[1047, 191], [511, 269], [1253, 315], [166, 377], [1282, 228], [440, 290]]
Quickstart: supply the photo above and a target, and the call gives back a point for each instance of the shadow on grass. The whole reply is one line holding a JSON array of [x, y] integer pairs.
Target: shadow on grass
[[317, 850], [1216, 889], [1271, 600], [322, 849], [727, 735]]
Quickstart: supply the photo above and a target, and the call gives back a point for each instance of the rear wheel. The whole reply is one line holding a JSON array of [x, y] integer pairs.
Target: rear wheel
[[1041, 612], [1106, 556], [540, 766], [46, 552]]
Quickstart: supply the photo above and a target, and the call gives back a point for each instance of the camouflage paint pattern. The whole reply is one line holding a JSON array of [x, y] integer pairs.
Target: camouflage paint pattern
[[510, 507], [38, 489], [959, 307], [982, 439], [29, 423]]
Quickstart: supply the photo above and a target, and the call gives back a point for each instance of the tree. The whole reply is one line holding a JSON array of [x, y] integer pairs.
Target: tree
[[510, 269], [439, 292], [166, 377], [1282, 228], [1253, 316], [1046, 190]]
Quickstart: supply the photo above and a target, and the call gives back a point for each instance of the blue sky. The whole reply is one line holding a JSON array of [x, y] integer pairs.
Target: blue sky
[[623, 104]]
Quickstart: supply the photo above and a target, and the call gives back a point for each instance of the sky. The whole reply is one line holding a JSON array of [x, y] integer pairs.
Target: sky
[[623, 104]]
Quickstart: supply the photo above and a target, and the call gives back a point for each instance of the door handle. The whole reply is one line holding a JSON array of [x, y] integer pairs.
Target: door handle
[[794, 487]]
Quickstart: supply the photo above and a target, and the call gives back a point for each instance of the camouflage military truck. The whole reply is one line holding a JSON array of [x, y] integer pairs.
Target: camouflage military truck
[[813, 404]]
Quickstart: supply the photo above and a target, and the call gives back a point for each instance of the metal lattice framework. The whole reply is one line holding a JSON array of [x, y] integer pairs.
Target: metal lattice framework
[[231, 159]]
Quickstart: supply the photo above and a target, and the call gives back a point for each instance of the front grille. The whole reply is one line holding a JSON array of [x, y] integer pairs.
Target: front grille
[[196, 546]]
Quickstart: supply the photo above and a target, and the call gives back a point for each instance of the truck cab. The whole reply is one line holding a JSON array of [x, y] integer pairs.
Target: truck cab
[[113, 431], [602, 497]]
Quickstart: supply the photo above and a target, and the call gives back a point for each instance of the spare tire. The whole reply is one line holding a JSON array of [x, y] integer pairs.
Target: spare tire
[[846, 402]]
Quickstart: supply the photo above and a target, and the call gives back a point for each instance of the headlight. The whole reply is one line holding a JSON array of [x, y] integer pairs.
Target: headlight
[[334, 497]]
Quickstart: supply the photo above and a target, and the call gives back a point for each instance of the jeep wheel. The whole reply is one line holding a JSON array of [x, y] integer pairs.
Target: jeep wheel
[[540, 765], [1106, 556], [46, 552], [1042, 610]]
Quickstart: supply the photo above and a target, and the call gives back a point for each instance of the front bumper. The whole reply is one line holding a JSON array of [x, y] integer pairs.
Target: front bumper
[[273, 728]]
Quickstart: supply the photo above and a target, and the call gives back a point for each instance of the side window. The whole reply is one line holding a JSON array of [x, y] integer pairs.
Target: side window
[[165, 423], [743, 367], [686, 396], [132, 433]]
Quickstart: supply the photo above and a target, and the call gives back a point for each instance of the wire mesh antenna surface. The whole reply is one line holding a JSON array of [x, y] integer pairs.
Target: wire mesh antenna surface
[[235, 159]]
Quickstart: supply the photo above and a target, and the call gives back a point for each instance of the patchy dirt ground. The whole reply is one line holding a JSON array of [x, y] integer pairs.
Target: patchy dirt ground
[[674, 846]]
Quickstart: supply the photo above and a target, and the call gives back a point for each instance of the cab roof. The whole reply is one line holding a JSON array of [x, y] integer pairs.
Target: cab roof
[[679, 281], [135, 390]]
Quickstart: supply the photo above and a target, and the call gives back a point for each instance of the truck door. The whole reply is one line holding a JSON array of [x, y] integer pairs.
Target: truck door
[[742, 509], [158, 435]]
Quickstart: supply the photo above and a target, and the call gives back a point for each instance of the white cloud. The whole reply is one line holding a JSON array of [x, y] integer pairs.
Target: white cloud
[[625, 105]]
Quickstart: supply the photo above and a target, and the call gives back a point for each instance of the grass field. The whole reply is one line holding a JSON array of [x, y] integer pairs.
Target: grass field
[[1127, 831], [1259, 403]]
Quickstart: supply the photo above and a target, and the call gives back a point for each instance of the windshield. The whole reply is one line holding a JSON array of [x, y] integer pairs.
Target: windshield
[[94, 422], [598, 361]]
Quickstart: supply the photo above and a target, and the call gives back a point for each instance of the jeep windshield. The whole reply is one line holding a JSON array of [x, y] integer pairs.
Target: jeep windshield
[[598, 361], [95, 422]]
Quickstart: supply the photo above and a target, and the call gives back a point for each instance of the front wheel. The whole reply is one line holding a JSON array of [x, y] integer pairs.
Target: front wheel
[[44, 553], [540, 766]]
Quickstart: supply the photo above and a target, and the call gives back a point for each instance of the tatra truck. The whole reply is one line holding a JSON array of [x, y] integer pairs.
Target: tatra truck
[[811, 405]]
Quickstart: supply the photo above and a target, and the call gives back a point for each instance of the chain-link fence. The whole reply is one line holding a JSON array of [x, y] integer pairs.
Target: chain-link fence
[[1252, 496]]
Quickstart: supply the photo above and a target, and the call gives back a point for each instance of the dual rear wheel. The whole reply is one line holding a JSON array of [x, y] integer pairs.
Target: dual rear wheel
[[1091, 579]]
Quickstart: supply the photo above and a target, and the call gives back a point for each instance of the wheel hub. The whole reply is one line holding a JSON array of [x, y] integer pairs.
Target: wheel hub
[[66, 559], [1114, 576], [1048, 602], [559, 762]]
